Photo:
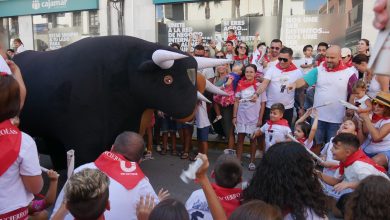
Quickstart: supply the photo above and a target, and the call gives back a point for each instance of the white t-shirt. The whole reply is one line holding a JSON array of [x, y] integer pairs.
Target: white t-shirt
[[13, 194], [197, 206], [358, 171], [278, 78], [201, 117], [362, 101], [20, 49], [123, 202], [270, 64], [376, 147], [208, 73], [374, 87], [275, 135]]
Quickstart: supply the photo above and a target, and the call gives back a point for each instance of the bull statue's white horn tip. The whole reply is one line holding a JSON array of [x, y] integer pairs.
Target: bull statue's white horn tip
[[214, 89], [204, 62], [202, 98], [165, 58]]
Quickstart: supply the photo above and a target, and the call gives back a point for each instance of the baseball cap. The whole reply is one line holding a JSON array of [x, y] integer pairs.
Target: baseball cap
[[345, 52]]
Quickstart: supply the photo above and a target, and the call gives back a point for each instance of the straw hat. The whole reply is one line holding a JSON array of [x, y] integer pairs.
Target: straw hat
[[383, 98]]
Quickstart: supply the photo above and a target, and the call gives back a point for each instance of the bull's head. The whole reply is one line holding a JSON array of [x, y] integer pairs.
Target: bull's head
[[176, 88]]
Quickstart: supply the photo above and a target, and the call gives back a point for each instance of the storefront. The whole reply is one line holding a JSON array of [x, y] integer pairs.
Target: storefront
[[295, 22], [48, 24]]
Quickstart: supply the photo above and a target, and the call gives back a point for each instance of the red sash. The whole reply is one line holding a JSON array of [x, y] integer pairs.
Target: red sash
[[127, 173], [339, 67], [302, 140], [288, 69], [282, 122], [18, 214], [358, 156], [10, 140], [229, 198], [244, 84]]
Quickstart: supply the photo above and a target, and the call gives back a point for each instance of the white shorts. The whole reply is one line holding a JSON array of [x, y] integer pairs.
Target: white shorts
[[245, 128]]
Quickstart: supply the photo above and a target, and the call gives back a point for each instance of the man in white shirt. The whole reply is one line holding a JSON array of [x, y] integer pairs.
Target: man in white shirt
[[275, 82], [333, 82], [127, 182], [274, 51]]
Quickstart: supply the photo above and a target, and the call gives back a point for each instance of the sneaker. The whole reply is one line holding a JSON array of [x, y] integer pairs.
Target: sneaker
[[219, 117], [251, 167], [148, 156], [158, 148], [229, 151], [258, 155]]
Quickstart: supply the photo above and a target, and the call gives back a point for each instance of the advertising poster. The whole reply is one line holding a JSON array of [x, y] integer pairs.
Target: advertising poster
[[179, 31], [298, 31], [239, 25]]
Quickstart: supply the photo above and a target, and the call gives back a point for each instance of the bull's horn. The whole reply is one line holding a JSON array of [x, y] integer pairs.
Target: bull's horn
[[214, 89], [202, 98], [165, 58], [204, 62]]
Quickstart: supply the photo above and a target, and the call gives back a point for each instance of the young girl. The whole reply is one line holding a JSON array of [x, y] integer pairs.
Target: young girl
[[247, 115], [303, 133], [360, 99], [228, 83]]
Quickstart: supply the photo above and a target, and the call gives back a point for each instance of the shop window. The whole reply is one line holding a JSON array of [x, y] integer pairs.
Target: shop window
[[9, 30], [56, 30]]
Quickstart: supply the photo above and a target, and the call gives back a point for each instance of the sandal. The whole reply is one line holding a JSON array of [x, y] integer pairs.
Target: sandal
[[174, 153], [184, 156]]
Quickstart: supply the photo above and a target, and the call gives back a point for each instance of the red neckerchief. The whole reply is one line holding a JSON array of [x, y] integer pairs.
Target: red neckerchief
[[358, 156], [10, 141], [302, 140], [288, 69], [231, 38], [229, 198], [349, 63], [127, 173], [244, 84], [3, 74], [238, 58], [339, 67], [376, 118], [282, 122], [320, 60]]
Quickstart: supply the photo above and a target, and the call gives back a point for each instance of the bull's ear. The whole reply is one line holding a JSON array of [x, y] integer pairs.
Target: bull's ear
[[148, 66]]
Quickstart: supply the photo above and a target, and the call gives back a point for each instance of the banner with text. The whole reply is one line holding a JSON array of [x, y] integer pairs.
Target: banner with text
[[298, 31]]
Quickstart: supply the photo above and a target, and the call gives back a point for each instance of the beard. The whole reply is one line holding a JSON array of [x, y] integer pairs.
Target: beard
[[330, 65]]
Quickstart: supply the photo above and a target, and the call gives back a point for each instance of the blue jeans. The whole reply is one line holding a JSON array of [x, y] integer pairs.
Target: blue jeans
[[325, 131]]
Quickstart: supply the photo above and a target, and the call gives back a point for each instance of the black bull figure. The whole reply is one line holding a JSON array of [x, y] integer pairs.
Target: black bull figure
[[83, 95]]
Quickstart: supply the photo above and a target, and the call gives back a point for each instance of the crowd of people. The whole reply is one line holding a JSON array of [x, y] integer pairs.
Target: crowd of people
[[331, 105]]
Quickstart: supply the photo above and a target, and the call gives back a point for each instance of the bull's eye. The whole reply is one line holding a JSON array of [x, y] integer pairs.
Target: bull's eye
[[168, 79]]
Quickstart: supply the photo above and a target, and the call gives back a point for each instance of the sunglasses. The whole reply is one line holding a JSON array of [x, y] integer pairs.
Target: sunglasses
[[219, 57], [283, 59], [243, 48], [377, 103], [275, 48]]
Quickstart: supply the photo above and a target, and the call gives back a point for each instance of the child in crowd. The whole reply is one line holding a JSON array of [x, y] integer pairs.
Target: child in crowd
[[168, 125], [227, 173], [370, 200], [255, 210], [36, 209], [171, 209], [276, 129], [232, 37], [228, 83], [86, 196], [359, 97], [202, 126], [349, 126], [248, 115], [303, 132], [354, 166], [307, 61]]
